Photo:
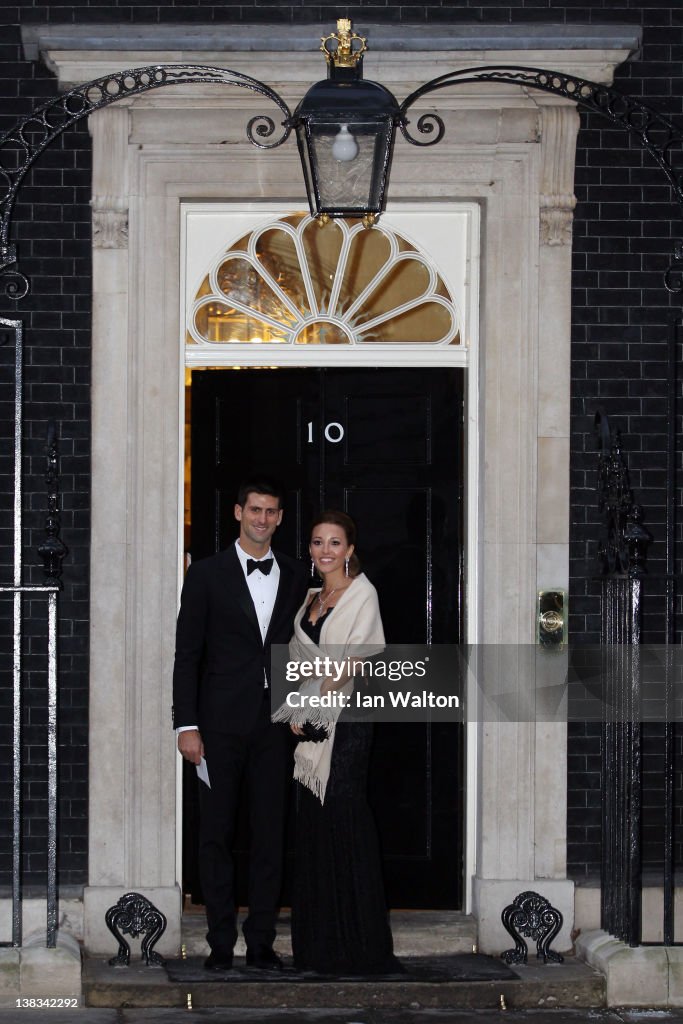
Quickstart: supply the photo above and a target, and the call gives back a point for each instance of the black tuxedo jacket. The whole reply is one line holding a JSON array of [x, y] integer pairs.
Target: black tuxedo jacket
[[220, 657]]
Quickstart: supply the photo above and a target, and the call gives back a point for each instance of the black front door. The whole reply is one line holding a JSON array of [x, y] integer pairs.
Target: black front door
[[386, 446]]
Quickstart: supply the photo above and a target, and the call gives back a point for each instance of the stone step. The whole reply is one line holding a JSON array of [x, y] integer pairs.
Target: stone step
[[431, 983], [415, 932]]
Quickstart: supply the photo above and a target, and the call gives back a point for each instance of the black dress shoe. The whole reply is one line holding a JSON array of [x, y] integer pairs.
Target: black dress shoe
[[264, 959], [218, 962]]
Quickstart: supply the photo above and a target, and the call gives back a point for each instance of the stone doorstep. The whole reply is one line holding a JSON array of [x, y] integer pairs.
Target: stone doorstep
[[642, 976], [572, 984], [415, 933]]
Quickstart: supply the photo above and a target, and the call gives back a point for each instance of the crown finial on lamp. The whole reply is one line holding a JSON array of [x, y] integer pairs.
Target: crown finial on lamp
[[343, 48]]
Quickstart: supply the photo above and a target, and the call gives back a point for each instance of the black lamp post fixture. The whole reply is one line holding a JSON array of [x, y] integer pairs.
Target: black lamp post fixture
[[345, 131]]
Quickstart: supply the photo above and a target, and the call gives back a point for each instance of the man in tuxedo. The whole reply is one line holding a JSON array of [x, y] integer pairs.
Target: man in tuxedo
[[233, 607]]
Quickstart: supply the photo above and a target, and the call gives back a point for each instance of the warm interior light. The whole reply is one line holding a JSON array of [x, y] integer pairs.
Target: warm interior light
[[344, 147]]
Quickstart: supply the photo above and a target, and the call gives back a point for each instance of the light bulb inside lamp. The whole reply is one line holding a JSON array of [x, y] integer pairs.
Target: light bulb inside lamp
[[344, 147]]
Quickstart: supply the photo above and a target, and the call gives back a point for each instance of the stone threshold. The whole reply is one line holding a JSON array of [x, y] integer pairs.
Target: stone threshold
[[415, 933], [537, 986]]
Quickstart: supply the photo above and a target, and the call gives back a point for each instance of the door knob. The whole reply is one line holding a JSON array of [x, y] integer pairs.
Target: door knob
[[551, 618]]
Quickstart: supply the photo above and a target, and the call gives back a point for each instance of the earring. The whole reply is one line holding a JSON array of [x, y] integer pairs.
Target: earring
[[312, 568], [346, 567]]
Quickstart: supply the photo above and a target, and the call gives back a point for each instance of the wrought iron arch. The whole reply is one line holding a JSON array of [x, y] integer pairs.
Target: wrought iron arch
[[32, 135], [22, 145], [654, 132]]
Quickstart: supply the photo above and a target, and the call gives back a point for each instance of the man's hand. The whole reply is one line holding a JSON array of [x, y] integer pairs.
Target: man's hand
[[190, 745]]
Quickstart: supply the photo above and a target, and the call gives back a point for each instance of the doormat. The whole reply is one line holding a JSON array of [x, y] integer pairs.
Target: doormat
[[465, 967]]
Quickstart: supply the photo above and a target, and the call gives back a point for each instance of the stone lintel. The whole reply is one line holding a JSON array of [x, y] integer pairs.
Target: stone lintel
[[303, 38]]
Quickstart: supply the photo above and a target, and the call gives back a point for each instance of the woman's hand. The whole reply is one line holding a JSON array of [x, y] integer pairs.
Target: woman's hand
[[296, 729], [329, 685]]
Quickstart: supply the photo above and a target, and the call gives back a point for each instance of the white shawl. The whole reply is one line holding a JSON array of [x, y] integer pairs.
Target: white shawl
[[353, 627]]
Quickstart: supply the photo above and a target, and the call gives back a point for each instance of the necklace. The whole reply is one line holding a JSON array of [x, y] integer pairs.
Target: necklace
[[323, 599]]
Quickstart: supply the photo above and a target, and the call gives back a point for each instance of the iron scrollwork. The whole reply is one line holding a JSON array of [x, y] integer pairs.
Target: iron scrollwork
[[673, 275], [532, 915], [13, 282], [22, 145], [623, 547], [655, 133], [659, 136], [426, 125], [53, 550], [133, 915]]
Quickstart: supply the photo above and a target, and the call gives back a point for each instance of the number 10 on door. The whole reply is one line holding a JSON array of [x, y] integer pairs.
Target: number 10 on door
[[333, 432]]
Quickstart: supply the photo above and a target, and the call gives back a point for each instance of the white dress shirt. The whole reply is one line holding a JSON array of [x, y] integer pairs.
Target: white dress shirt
[[263, 589]]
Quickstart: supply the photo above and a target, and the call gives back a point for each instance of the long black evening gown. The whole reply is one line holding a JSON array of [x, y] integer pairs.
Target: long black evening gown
[[340, 923]]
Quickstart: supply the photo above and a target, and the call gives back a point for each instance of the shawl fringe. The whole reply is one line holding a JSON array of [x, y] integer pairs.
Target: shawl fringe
[[305, 773]]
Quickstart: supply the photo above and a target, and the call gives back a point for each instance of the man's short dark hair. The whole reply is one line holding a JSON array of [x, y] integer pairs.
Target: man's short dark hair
[[260, 485]]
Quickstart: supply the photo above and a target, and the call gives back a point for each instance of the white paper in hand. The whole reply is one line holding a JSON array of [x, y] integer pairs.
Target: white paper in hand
[[203, 772]]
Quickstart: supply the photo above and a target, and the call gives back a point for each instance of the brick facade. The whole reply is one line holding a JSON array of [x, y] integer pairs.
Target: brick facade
[[624, 226]]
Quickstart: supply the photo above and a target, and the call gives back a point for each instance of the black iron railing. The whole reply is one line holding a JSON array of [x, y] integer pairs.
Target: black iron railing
[[626, 589], [52, 551], [621, 888]]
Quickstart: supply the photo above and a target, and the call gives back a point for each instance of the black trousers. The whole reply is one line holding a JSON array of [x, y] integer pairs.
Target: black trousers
[[262, 758]]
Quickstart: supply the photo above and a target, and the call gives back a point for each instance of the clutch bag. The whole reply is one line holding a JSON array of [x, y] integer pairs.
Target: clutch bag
[[314, 733]]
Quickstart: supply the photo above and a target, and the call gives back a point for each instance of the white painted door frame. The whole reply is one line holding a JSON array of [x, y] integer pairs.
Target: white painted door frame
[[400, 217]]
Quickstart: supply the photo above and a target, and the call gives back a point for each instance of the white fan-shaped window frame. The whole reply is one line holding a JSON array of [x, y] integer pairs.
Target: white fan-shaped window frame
[[348, 321]]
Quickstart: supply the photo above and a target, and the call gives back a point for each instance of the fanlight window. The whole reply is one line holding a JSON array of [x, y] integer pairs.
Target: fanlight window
[[296, 282]]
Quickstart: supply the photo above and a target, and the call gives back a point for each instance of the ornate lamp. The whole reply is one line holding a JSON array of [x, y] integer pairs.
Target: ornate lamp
[[345, 132]]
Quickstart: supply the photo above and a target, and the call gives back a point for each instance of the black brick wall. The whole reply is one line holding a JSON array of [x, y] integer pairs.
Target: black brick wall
[[624, 225]]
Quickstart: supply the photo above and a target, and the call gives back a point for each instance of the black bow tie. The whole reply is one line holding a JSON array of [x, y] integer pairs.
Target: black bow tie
[[265, 566]]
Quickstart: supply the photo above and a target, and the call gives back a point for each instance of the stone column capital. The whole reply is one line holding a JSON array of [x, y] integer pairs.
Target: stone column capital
[[110, 129], [559, 128]]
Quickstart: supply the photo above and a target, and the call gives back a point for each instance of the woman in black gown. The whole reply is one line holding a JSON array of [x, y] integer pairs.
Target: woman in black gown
[[340, 922]]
